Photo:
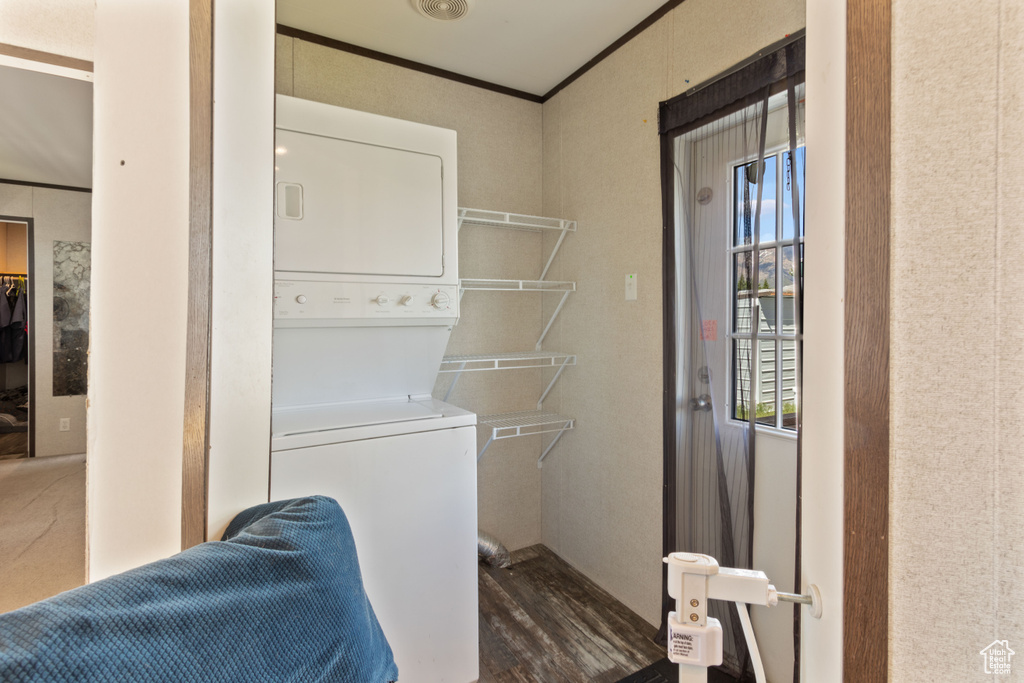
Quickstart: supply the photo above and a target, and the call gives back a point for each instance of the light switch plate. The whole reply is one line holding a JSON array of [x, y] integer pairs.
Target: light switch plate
[[631, 287]]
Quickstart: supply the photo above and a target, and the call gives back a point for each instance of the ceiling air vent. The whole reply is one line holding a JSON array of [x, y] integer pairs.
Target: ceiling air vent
[[443, 10]]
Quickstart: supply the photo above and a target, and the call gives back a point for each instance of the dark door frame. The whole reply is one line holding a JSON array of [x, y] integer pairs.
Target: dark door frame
[[195, 460], [866, 349]]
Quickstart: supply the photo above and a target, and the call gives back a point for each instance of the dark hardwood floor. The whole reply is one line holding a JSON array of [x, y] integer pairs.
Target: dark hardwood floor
[[541, 621]]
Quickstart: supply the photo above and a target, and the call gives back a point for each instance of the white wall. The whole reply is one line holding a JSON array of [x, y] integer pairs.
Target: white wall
[[243, 252], [140, 275], [775, 548], [821, 644], [140, 283]]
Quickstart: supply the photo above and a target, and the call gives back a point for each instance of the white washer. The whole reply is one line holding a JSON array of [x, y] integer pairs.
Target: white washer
[[365, 297], [408, 487]]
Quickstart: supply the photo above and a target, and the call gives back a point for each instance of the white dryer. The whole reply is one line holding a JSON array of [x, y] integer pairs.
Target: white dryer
[[366, 294]]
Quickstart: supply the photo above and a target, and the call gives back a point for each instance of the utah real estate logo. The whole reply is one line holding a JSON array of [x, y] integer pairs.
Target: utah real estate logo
[[997, 657]]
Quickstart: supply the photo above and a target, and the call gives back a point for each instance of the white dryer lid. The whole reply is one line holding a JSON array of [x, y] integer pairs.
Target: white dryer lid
[[289, 422]]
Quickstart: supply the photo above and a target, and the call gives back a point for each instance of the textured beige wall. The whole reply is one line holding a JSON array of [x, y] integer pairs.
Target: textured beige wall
[[602, 484], [957, 374], [63, 27], [499, 148]]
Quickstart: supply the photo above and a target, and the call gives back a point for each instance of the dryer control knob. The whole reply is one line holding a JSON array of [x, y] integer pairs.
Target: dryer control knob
[[382, 300], [301, 299], [440, 300], [406, 300]]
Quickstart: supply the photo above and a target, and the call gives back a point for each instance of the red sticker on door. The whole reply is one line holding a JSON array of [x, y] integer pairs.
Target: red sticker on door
[[709, 330]]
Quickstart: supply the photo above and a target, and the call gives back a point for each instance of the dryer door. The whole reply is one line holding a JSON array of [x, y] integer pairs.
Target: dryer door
[[354, 208]]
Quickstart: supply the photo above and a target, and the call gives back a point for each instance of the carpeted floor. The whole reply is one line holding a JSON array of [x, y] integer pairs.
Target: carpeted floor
[[42, 528]]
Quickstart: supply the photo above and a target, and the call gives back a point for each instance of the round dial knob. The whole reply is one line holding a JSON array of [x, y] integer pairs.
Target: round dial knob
[[440, 300], [301, 299], [406, 300], [382, 300]]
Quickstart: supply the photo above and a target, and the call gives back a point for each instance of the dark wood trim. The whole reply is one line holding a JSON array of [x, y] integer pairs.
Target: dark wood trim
[[48, 186], [44, 57], [195, 456], [405, 63], [670, 409], [625, 38], [866, 365], [33, 388]]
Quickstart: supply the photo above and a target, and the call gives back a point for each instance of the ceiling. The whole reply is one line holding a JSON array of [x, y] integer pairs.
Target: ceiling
[[527, 45], [45, 128]]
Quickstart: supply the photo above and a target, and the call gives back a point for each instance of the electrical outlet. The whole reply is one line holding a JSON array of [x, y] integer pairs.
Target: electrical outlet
[[65, 424], [631, 287]]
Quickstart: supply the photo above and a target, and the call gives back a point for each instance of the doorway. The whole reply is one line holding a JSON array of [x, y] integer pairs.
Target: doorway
[[733, 158], [15, 403], [737, 493], [46, 211]]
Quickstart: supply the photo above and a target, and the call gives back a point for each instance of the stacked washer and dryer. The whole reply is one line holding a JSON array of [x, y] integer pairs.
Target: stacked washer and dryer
[[365, 297]]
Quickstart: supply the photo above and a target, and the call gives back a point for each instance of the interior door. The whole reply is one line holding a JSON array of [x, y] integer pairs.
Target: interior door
[[727, 280]]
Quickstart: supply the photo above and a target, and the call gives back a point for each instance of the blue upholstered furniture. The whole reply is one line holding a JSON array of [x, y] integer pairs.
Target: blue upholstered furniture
[[280, 598]]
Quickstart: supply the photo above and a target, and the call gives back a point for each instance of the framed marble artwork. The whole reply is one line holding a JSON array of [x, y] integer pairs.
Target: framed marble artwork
[[71, 273]]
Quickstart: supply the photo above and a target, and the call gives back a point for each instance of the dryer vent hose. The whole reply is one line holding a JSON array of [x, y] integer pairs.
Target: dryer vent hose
[[492, 551]]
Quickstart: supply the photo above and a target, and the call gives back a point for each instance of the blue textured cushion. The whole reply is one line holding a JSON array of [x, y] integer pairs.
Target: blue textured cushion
[[280, 598]]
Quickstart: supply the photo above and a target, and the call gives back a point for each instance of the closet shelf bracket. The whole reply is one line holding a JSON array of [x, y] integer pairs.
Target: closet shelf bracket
[[516, 221], [525, 423], [566, 288], [507, 361]]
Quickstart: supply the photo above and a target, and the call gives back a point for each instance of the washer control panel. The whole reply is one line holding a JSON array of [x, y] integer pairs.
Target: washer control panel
[[370, 303]]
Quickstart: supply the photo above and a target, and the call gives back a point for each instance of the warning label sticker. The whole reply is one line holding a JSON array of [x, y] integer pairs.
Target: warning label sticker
[[694, 645], [684, 647]]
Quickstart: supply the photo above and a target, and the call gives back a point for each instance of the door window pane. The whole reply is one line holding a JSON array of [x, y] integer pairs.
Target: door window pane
[[745, 190], [787, 278], [743, 287], [791, 173], [766, 365], [768, 200], [741, 379], [743, 214], [789, 395], [766, 289], [765, 369]]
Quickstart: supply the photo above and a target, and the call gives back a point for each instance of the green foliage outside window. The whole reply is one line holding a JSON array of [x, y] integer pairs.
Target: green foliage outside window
[[766, 410]]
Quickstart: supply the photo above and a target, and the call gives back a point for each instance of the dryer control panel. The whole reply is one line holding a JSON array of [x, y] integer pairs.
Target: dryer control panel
[[300, 303]]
